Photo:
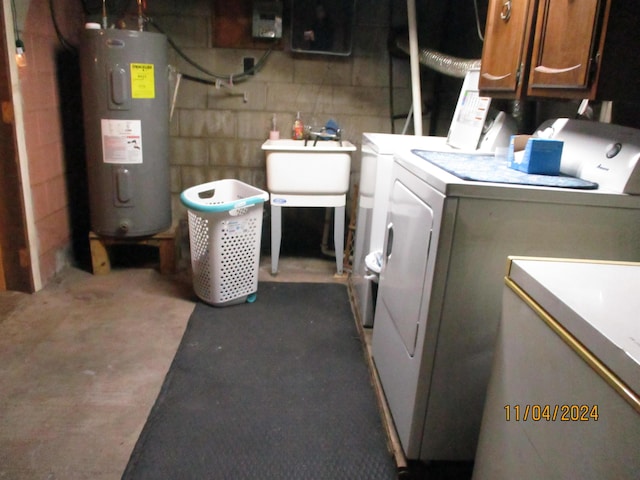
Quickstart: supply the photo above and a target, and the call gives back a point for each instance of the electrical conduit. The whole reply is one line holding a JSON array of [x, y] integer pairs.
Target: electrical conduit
[[415, 68]]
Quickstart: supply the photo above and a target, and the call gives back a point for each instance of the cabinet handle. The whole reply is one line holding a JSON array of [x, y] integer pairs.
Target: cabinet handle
[[505, 13], [543, 69], [488, 76]]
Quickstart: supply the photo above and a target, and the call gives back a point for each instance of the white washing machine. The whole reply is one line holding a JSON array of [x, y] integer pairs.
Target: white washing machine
[[439, 298], [564, 396]]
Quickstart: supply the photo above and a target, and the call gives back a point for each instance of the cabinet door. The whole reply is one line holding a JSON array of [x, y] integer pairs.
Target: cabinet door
[[565, 44], [505, 46]]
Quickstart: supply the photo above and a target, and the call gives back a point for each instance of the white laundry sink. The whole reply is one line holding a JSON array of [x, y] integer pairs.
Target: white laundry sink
[[296, 168]]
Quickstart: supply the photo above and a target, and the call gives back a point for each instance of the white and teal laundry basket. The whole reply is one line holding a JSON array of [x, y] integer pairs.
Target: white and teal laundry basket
[[225, 230]]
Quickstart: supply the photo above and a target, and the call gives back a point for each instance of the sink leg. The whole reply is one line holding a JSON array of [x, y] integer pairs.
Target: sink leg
[[276, 236], [338, 236]]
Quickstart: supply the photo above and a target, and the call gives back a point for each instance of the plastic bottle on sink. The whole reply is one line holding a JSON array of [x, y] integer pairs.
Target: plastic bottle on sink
[[297, 131]]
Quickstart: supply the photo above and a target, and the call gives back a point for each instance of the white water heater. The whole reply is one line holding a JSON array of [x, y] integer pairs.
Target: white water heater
[[125, 96]]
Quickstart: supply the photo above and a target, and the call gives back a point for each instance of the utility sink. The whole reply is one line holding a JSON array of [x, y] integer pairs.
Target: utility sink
[[308, 168]]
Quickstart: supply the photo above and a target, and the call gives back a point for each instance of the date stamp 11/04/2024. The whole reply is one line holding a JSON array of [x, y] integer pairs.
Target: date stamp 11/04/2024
[[551, 413]]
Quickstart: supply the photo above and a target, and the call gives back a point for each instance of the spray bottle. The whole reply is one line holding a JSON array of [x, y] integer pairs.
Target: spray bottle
[[297, 132]]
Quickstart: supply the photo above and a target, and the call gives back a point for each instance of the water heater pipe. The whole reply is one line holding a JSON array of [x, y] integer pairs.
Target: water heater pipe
[[415, 68], [104, 14], [140, 16], [175, 95]]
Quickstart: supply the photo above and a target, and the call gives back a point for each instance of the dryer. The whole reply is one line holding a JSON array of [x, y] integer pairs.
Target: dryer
[[439, 298], [373, 202]]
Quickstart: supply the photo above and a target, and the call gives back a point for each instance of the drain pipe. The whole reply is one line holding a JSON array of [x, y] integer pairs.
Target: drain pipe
[[324, 248], [415, 68]]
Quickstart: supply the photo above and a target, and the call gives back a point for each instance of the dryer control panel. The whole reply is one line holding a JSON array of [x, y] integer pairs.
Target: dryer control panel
[[604, 153]]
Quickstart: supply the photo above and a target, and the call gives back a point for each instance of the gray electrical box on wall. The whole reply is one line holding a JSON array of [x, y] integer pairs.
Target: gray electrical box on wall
[[267, 20]]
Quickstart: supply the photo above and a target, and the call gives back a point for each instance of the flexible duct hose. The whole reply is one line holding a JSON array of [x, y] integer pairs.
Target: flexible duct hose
[[441, 63]]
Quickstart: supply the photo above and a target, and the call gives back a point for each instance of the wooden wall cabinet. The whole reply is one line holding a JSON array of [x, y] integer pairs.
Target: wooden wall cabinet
[[505, 49], [560, 49]]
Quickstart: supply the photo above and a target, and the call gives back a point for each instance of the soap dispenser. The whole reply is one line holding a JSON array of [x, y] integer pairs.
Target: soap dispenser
[[297, 132]]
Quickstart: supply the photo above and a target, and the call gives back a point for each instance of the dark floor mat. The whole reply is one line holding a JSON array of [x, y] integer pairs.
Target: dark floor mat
[[277, 389]]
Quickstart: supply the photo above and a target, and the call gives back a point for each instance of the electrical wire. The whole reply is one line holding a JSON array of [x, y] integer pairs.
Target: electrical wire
[[63, 41], [238, 77], [15, 20], [480, 36]]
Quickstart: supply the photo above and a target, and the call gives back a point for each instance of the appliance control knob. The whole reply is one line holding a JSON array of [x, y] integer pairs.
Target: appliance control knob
[[614, 150]]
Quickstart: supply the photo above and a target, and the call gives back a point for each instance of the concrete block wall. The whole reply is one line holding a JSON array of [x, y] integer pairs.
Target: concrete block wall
[[215, 134]]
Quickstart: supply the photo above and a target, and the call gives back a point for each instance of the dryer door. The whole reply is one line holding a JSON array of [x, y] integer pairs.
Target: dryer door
[[409, 228], [401, 323]]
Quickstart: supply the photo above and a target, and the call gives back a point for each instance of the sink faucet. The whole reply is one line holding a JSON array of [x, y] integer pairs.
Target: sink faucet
[[323, 134]]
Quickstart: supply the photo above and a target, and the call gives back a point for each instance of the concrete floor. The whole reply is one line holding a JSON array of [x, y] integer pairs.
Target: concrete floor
[[82, 361]]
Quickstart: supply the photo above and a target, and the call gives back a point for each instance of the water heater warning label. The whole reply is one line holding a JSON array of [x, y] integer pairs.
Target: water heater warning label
[[142, 84], [121, 141]]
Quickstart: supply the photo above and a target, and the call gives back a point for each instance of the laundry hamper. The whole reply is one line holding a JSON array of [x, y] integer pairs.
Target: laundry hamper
[[225, 229]]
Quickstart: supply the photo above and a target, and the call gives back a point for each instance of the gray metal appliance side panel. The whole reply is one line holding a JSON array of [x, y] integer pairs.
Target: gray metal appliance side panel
[[486, 233], [516, 457], [534, 366], [362, 286]]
